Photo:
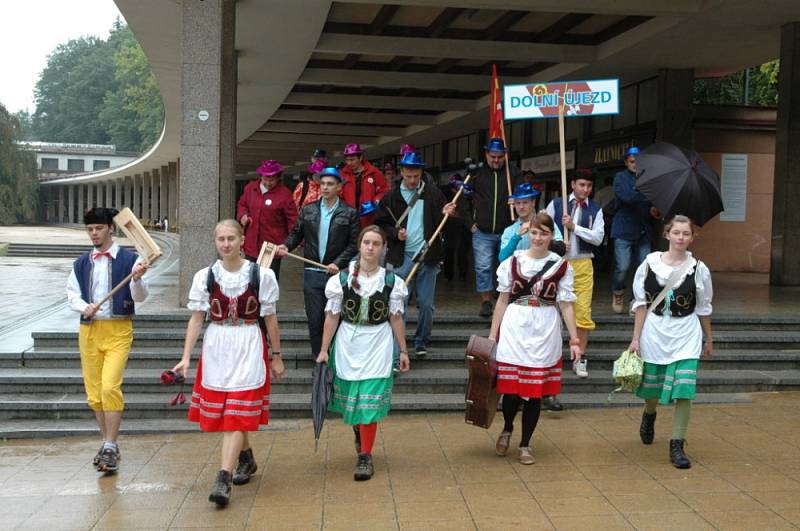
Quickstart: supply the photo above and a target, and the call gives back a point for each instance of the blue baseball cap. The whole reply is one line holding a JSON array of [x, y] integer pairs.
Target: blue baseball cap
[[525, 191], [633, 150]]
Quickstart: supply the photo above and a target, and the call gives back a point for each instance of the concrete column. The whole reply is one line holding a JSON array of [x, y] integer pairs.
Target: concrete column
[[129, 192], [146, 187], [172, 195], [61, 209], [227, 161], [207, 43], [109, 186], [81, 205], [71, 207], [48, 196], [163, 192], [785, 252], [675, 108], [118, 204], [155, 194], [89, 191], [137, 194]]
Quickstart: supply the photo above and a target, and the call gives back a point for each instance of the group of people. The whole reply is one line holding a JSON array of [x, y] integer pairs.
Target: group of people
[[369, 237]]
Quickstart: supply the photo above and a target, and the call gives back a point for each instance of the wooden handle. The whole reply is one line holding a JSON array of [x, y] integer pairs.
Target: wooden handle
[[306, 260], [116, 288], [562, 152]]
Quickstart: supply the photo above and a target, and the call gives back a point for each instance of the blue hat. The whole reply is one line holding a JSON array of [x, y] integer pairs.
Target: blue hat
[[330, 172], [525, 191], [495, 144], [633, 150], [411, 160], [367, 208]]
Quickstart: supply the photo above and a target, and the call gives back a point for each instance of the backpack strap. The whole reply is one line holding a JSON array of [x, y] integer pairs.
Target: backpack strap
[[210, 279], [388, 280], [343, 278], [255, 278]]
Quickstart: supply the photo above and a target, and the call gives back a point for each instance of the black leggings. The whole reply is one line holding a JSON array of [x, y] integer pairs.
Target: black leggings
[[530, 415]]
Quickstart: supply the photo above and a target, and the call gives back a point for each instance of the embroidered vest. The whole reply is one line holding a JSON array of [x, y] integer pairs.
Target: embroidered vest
[[588, 215], [233, 310], [544, 290], [122, 301], [680, 302], [377, 303]]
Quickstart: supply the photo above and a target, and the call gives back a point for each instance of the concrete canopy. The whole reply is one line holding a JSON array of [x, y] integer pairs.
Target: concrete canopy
[[320, 73]]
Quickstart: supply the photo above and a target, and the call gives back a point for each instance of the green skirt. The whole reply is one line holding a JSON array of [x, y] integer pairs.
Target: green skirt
[[678, 380], [360, 401]]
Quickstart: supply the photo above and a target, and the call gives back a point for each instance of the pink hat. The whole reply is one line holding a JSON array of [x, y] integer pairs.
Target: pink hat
[[269, 168], [407, 148], [316, 166], [352, 149], [388, 166]]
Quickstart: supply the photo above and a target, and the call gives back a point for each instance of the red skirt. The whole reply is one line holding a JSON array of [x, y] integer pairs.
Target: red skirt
[[528, 382], [229, 411]]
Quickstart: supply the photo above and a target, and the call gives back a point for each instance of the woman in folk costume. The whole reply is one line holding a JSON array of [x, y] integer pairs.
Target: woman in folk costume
[[670, 337], [531, 283], [370, 302], [232, 387]]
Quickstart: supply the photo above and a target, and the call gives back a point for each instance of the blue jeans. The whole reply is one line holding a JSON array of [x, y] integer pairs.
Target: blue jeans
[[424, 286], [485, 249], [623, 250]]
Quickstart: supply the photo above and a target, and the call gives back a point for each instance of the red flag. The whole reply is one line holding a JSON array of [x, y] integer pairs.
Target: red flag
[[496, 129]]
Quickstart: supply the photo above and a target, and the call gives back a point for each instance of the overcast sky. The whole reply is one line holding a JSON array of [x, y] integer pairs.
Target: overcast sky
[[31, 29]]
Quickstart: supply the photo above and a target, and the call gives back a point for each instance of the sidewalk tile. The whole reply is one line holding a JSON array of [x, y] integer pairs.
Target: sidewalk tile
[[669, 522], [747, 520], [564, 489], [704, 502], [647, 503], [591, 523], [577, 506], [432, 511]]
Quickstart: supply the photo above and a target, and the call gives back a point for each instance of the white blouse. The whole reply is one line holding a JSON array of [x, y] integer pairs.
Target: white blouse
[[530, 266], [662, 271], [232, 284], [368, 285]]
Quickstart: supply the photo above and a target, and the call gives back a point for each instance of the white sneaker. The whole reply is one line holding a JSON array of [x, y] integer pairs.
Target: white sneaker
[[580, 368]]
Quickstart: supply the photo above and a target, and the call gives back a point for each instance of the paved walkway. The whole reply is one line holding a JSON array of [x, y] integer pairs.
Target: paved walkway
[[432, 472]]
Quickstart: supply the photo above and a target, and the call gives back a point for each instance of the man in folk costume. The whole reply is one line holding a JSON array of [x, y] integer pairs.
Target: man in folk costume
[[267, 211], [106, 331], [328, 230], [421, 208], [364, 184], [584, 221], [490, 215]]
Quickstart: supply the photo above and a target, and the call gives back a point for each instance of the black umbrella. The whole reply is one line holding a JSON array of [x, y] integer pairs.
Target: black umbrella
[[321, 388], [678, 181]]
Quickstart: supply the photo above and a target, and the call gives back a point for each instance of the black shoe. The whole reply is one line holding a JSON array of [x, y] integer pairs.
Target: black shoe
[[487, 308], [96, 460], [358, 439], [647, 430], [364, 468], [552, 403], [677, 455], [245, 468], [420, 351], [221, 490], [109, 460]]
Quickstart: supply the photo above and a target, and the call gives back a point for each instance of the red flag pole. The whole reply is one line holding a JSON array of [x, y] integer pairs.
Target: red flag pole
[[497, 128]]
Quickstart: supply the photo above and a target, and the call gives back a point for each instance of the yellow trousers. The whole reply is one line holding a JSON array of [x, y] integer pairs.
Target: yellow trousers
[[584, 286], [104, 346]]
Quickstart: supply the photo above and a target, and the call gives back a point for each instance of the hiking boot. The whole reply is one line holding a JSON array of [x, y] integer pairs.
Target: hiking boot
[[357, 433], [552, 403], [501, 447], [221, 489], [364, 468], [647, 429], [487, 308], [245, 468], [676, 454], [580, 368], [526, 455], [96, 460], [109, 460], [618, 301]]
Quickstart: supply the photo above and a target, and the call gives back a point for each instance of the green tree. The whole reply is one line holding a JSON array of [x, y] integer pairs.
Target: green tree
[[19, 186], [762, 87], [26, 124]]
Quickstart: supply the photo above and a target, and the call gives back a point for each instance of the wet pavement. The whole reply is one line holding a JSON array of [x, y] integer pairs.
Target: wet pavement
[[432, 472]]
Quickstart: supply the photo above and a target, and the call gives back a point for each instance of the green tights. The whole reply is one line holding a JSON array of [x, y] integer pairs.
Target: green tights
[[680, 423]]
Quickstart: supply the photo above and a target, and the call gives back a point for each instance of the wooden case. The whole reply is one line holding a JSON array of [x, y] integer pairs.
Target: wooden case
[[481, 394]]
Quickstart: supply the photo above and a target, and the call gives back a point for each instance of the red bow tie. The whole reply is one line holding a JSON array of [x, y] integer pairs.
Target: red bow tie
[[581, 203], [98, 254]]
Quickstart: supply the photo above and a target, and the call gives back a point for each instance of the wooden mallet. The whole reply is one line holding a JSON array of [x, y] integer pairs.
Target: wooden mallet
[[267, 255]]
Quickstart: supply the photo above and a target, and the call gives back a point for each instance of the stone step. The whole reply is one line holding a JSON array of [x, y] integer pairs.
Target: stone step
[[49, 250], [600, 359], [35, 407], [451, 339], [470, 321]]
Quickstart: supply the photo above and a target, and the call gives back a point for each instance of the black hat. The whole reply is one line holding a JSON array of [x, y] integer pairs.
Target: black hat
[[99, 216], [320, 153], [582, 173]]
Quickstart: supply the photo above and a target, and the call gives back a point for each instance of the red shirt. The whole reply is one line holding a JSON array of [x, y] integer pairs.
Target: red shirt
[[373, 187], [272, 215]]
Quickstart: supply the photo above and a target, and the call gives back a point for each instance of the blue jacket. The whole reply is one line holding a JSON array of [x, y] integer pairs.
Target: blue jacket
[[122, 301], [632, 219]]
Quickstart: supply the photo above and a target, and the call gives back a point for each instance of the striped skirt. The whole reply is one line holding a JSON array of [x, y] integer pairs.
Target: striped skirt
[[528, 382], [362, 401], [678, 380], [229, 410]]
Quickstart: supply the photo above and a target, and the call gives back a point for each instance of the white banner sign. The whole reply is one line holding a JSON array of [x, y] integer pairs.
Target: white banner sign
[[580, 98]]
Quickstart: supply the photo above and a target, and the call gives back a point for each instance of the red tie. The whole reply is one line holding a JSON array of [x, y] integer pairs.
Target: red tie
[[98, 254]]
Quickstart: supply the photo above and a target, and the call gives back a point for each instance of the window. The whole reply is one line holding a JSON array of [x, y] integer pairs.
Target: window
[[101, 164], [49, 164], [75, 164]]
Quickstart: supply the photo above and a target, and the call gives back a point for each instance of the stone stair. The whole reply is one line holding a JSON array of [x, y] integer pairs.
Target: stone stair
[[48, 250], [43, 385]]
